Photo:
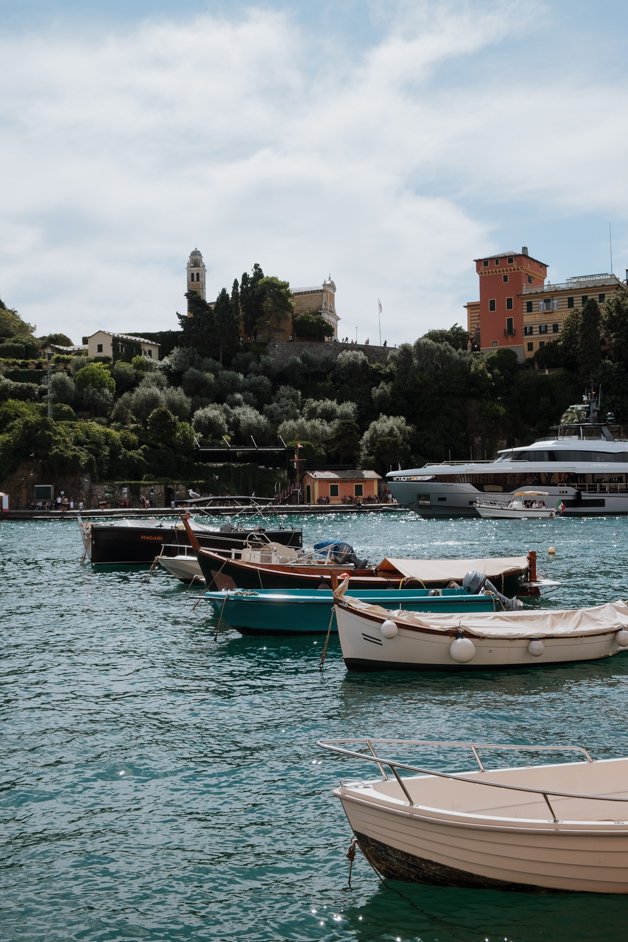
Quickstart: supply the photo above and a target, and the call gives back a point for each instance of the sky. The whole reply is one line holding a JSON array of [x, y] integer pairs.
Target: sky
[[387, 143]]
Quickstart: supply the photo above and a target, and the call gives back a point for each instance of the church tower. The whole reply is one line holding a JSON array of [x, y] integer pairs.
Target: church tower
[[196, 274]]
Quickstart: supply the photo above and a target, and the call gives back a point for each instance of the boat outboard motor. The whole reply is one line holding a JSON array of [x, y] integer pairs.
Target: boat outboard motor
[[341, 553], [476, 582]]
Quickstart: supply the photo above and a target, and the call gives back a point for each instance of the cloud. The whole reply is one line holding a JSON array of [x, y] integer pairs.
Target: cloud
[[258, 139]]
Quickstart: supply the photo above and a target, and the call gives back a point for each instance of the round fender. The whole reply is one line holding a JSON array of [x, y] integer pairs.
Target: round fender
[[462, 650], [536, 647], [622, 637], [389, 629]]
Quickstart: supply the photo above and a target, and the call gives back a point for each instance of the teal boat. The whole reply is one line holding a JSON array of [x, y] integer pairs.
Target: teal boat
[[309, 611]]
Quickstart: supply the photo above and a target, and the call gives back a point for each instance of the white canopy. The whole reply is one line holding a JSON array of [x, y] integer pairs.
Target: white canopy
[[433, 570], [523, 623]]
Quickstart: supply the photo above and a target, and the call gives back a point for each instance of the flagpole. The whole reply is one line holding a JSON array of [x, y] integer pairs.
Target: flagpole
[[379, 319]]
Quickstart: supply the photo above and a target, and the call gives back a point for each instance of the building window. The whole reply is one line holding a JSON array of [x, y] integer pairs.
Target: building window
[[149, 353], [510, 259], [494, 343], [509, 304], [529, 279], [542, 328], [585, 298], [99, 348], [528, 307], [359, 490], [491, 304], [601, 298], [497, 261], [485, 262], [505, 279], [555, 329], [510, 327], [528, 330], [530, 347], [547, 304], [541, 344], [333, 490], [569, 302]]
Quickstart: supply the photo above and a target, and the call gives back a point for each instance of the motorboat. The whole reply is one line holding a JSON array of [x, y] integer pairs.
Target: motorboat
[[523, 505], [182, 564], [140, 540], [583, 466], [558, 826], [373, 638], [310, 611]]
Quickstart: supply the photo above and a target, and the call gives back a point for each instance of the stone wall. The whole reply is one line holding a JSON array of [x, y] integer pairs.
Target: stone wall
[[282, 351]]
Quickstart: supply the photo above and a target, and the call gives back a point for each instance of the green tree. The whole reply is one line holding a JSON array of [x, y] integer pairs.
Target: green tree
[[311, 326], [614, 327], [385, 444], [226, 326], [457, 337], [162, 425]]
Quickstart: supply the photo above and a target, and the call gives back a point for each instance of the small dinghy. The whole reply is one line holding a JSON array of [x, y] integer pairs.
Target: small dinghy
[[561, 826]]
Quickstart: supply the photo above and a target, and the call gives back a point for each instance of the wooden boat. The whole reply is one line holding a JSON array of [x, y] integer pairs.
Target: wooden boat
[[373, 638], [514, 575], [522, 505], [139, 541], [562, 826], [310, 611]]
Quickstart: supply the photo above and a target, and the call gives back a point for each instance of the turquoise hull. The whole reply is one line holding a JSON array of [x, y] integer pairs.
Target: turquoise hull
[[309, 611]]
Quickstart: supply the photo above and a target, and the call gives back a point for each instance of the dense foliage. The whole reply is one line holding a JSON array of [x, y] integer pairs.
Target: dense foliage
[[429, 400]]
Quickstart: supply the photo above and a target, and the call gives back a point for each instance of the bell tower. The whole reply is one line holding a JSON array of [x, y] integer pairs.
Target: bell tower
[[196, 274]]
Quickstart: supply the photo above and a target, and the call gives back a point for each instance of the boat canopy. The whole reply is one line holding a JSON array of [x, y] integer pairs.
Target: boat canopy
[[524, 623], [433, 570]]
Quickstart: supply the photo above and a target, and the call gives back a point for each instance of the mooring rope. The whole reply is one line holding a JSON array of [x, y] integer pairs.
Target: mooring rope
[[327, 637]]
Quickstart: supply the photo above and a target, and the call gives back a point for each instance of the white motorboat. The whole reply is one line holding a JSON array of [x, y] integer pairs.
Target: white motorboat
[[374, 638], [523, 505], [183, 565], [583, 466], [562, 826]]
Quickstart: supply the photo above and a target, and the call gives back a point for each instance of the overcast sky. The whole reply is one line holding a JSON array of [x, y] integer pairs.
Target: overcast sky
[[386, 144]]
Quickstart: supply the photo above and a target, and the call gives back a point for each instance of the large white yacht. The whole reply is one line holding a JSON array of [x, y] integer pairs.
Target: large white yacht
[[583, 468]]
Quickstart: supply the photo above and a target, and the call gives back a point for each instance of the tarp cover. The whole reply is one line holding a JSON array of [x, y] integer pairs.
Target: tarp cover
[[526, 623], [433, 570]]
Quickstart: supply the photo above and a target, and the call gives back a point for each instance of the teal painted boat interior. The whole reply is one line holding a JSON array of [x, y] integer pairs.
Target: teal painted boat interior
[[307, 611]]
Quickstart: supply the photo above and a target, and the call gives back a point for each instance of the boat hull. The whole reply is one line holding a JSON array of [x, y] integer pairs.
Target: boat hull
[[227, 573], [114, 544], [433, 499], [428, 847], [305, 612]]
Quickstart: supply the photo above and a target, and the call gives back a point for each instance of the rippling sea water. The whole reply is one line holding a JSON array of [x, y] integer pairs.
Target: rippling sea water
[[159, 782]]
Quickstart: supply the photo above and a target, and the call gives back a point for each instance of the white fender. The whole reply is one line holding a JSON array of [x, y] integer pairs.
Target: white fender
[[536, 647], [462, 650], [389, 629]]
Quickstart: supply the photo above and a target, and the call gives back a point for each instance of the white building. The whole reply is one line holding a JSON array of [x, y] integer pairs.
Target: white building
[[103, 343]]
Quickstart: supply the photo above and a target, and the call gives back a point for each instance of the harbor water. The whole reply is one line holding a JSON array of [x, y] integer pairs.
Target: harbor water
[[161, 780]]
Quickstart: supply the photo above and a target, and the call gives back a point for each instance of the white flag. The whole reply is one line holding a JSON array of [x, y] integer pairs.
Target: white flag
[[379, 306]]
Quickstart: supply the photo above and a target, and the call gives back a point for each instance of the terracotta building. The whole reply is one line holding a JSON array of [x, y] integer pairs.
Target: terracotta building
[[519, 310], [337, 487]]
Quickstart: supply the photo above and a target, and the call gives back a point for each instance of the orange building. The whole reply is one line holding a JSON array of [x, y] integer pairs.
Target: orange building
[[503, 280], [337, 487]]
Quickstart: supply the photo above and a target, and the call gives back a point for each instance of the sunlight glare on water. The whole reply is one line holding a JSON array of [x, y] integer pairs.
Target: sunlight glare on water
[[160, 782]]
